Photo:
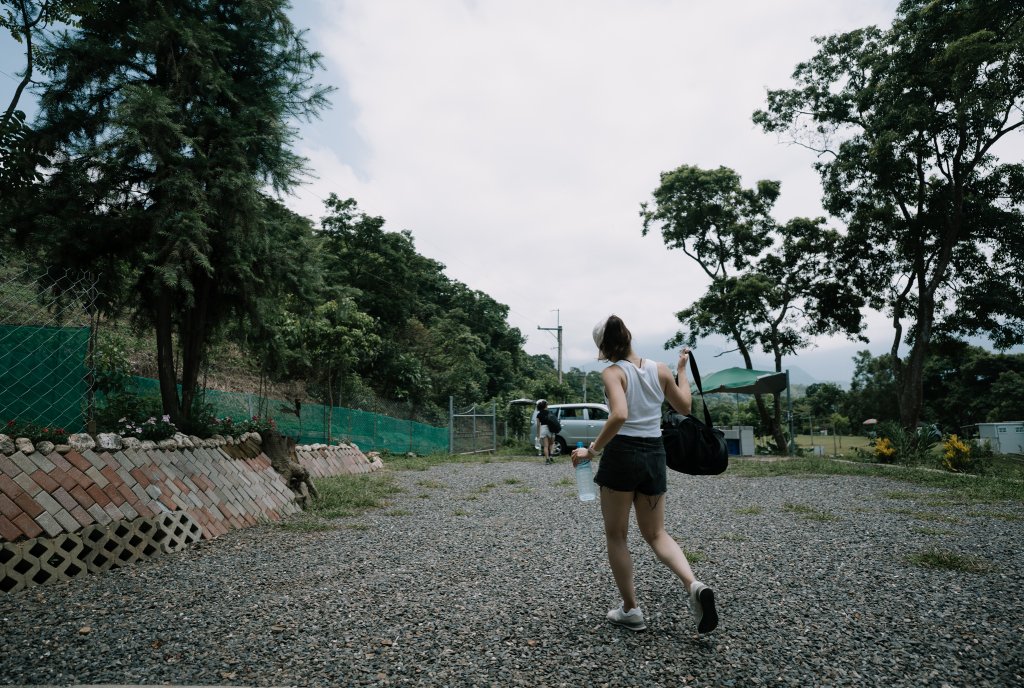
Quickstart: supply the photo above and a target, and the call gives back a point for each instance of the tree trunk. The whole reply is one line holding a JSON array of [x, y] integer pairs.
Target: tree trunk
[[911, 381], [193, 343], [777, 430], [280, 450], [772, 420], [165, 357], [26, 26]]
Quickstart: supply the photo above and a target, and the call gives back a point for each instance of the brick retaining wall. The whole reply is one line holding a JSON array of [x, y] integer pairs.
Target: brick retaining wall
[[72, 511]]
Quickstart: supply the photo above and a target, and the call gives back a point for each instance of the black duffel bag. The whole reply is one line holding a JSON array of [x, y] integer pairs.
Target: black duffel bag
[[693, 447]]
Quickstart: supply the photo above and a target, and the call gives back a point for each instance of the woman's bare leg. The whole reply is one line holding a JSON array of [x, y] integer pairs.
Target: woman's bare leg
[[650, 517], [615, 506]]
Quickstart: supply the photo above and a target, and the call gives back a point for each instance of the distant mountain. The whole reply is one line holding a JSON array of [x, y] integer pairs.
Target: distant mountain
[[799, 376]]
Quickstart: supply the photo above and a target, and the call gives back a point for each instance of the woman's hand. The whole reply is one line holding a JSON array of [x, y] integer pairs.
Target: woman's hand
[[581, 454], [684, 357]]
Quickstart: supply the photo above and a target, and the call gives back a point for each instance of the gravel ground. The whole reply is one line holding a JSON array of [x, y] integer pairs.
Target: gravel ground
[[494, 574]]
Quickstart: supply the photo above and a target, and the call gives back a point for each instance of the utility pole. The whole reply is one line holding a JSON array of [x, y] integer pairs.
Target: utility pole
[[558, 329]]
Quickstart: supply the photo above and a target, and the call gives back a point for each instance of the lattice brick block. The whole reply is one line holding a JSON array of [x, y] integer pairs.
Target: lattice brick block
[[54, 559], [144, 531], [127, 542], [176, 530], [109, 546], [15, 574]]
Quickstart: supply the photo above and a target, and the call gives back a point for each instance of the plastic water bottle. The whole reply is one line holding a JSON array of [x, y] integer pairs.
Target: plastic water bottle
[[585, 479]]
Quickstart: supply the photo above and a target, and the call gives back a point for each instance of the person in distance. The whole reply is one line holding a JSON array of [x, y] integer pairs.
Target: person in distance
[[544, 434]]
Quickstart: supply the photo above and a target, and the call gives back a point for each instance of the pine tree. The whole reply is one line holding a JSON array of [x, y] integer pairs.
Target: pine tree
[[176, 119]]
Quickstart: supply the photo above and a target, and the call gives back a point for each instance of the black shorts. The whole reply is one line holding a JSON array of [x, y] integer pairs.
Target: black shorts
[[633, 464]]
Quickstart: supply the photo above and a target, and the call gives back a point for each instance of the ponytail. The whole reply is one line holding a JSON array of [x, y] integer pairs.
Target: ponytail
[[616, 340]]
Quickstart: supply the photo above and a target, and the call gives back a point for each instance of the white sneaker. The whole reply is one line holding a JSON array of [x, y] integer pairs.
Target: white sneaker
[[633, 619], [703, 600]]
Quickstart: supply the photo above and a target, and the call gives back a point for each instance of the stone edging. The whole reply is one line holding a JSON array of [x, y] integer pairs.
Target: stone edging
[[109, 441]]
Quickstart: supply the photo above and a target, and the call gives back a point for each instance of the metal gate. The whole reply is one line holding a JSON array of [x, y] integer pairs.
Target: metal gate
[[472, 429]]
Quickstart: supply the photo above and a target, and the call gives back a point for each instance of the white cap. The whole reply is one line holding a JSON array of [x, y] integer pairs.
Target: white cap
[[599, 332]]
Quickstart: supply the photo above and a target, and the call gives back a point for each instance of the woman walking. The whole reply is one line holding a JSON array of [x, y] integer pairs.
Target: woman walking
[[632, 472], [544, 434]]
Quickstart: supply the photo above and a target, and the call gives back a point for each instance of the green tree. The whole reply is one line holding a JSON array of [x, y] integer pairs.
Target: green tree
[[1008, 394], [502, 353], [576, 379], [173, 117], [395, 286], [840, 424], [872, 390], [824, 398], [28, 22], [540, 381], [331, 341], [453, 355], [966, 384], [906, 123], [771, 285], [389, 280], [440, 338]]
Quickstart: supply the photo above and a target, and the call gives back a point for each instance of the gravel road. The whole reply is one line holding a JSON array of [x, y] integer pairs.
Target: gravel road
[[495, 575]]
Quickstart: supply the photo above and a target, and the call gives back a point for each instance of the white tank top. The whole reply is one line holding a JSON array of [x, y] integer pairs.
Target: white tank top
[[643, 399]]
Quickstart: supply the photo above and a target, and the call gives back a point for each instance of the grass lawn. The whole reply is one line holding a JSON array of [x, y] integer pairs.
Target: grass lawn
[[349, 495], [833, 444], [980, 489]]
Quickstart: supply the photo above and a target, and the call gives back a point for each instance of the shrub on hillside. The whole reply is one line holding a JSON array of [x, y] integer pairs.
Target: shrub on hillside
[[152, 428], [114, 408], [229, 426], [35, 433]]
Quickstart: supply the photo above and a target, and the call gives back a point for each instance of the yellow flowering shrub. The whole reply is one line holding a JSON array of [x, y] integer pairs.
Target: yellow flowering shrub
[[956, 455], [884, 450]]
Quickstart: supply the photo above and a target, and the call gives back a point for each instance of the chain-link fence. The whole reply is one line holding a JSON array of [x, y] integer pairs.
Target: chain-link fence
[[47, 378], [47, 331], [311, 423], [472, 428]]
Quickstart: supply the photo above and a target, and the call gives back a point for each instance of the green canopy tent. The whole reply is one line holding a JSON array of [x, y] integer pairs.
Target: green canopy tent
[[747, 381], [744, 381]]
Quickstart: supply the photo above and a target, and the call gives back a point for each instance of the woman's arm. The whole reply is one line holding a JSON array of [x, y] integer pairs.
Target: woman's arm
[[615, 389], [677, 393]]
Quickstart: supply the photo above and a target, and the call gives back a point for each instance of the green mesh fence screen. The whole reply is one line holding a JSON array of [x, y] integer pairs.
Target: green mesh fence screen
[[43, 375], [318, 423]]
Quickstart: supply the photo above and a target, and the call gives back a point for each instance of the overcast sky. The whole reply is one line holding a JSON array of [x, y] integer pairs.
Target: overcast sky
[[516, 140]]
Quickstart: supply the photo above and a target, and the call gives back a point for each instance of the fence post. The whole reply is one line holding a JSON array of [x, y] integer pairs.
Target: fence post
[[475, 437], [90, 414], [494, 425], [451, 425]]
